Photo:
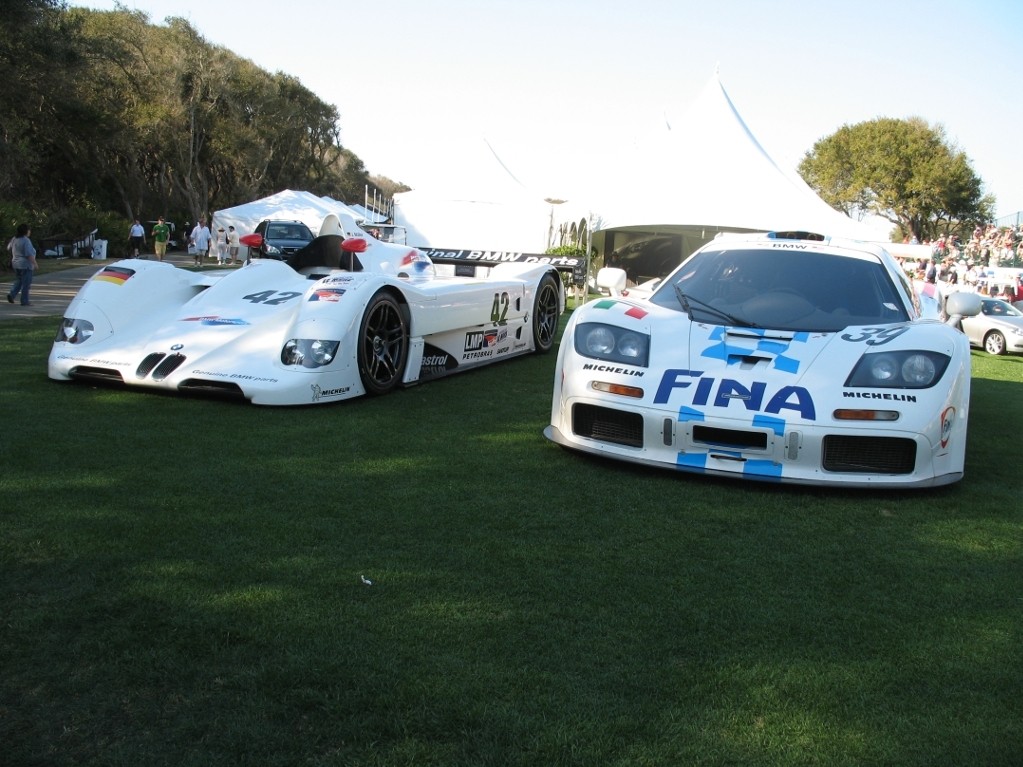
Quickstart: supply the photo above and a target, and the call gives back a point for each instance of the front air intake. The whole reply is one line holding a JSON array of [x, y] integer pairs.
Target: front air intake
[[102, 375], [608, 425], [211, 388], [869, 455]]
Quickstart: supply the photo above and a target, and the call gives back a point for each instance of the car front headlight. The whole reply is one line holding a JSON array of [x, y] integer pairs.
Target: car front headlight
[[309, 352], [74, 331], [271, 250], [611, 343], [914, 369]]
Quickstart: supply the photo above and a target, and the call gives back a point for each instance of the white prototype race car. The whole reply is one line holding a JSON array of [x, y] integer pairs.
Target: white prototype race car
[[783, 357], [345, 316]]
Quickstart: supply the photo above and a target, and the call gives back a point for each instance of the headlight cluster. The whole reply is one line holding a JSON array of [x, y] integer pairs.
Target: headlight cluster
[[899, 370], [309, 352], [74, 331], [271, 250], [612, 343]]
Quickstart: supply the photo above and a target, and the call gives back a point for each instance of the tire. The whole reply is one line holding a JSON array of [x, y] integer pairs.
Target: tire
[[383, 345], [545, 314], [994, 343]]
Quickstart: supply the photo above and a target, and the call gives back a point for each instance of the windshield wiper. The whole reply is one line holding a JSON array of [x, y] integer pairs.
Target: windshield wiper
[[687, 301]]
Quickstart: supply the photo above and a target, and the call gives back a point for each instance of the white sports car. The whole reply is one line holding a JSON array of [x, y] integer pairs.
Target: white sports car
[[779, 357], [345, 316]]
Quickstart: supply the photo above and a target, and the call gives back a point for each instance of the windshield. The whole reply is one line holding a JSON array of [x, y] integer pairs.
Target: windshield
[[782, 289], [998, 308], [288, 232]]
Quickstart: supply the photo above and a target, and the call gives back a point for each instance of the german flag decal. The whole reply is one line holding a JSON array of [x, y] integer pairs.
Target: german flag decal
[[115, 274]]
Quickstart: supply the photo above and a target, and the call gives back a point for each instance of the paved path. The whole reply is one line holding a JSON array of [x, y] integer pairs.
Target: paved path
[[51, 293]]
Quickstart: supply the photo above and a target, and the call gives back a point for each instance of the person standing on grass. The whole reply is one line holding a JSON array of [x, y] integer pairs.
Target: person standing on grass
[[221, 246], [23, 261], [232, 245], [201, 241], [161, 235], [137, 238]]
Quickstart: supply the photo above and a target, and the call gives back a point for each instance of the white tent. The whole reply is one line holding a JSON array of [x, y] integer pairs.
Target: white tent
[[485, 208], [704, 175], [297, 206]]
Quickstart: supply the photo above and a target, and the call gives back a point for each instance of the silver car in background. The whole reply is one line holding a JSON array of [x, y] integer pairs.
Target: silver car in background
[[997, 329]]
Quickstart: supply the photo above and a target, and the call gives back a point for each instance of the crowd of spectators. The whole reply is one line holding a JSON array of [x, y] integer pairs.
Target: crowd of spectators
[[995, 246], [990, 263]]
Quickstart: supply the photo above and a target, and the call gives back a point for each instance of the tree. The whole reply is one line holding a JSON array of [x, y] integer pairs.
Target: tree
[[903, 170], [104, 111], [38, 64]]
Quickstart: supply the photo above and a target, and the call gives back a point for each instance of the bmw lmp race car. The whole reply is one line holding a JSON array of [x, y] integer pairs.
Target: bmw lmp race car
[[345, 316], [781, 357]]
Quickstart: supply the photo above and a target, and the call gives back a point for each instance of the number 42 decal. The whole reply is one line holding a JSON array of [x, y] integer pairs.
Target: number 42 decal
[[499, 309], [271, 297]]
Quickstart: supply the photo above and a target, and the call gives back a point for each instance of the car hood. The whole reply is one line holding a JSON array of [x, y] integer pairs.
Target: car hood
[[750, 354]]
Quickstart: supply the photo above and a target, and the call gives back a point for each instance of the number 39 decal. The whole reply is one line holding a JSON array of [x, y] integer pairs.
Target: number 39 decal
[[875, 336]]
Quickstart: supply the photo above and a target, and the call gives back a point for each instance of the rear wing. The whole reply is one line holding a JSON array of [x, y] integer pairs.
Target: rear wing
[[466, 261]]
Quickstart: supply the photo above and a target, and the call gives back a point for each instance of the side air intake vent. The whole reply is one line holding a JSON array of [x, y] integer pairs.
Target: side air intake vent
[[147, 365], [168, 366]]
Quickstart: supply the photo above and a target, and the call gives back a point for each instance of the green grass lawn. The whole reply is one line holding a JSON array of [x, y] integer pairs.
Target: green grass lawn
[[183, 584]]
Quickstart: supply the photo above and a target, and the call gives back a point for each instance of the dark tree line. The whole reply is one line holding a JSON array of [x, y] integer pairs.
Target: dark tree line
[[106, 111]]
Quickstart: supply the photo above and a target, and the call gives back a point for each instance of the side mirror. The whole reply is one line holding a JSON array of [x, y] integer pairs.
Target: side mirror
[[252, 240], [960, 305], [611, 279], [354, 245]]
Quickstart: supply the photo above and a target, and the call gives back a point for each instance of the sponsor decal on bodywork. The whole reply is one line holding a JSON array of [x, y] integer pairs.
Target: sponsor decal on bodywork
[[884, 395], [721, 393], [491, 257], [436, 362], [483, 343], [338, 279], [321, 393], [215, 320], [331, 295], [94, 360], [612, 369], [232, 376], [947, 419], [730, 349]]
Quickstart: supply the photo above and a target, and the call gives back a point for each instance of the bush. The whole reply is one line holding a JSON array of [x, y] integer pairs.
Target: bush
[[71, 221]]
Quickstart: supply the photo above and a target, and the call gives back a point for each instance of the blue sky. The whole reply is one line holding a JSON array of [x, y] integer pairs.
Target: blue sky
[[556, 86]]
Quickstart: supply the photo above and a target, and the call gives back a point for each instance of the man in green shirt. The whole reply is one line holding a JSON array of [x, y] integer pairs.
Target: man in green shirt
[[161, 233]]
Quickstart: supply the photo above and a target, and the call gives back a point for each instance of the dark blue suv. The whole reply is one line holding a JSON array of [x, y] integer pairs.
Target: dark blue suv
[[280, 239]]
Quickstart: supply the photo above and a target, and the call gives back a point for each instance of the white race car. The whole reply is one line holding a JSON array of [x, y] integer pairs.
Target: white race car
[[345, 316], [779, 357]]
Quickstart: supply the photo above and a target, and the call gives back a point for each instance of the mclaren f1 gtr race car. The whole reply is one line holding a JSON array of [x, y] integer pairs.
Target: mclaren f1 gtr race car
[[782, 357], [346, 315]]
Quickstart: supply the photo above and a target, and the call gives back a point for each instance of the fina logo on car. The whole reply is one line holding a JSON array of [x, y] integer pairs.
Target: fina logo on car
[[481, 343], [722, 393]]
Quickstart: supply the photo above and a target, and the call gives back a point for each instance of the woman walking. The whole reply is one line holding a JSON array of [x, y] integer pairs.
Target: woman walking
[[23, 260]]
